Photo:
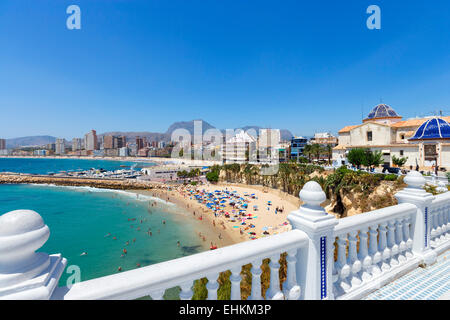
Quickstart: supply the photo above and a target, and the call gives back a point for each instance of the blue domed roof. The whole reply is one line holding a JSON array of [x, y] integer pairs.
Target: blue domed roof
[[382, 111], [434, 128]]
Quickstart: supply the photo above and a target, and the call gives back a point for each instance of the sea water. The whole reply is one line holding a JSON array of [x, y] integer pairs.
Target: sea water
[[84, 219], [46, 166]]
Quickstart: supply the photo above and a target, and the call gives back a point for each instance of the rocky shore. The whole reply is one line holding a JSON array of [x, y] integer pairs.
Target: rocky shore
[[125, 184]]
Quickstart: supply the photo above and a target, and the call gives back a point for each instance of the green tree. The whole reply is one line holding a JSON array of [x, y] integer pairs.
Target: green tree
[[212, 176], [373, 158], [399, 161], [357, 157]]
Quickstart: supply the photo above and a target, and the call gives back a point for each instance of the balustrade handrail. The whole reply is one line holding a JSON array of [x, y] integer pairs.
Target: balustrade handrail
[[140, 282], [370, 218], [440, 198]]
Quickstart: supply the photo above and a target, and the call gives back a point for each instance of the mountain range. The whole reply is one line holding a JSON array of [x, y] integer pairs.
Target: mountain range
[[150, 136]]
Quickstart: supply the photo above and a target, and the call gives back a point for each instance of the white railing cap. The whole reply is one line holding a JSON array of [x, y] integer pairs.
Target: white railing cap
[[414, 179], [312, 194]]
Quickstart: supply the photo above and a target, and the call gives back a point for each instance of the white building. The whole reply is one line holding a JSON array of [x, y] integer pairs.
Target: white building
[[60, 146], [424, 141], [91, 141], [237, 148]]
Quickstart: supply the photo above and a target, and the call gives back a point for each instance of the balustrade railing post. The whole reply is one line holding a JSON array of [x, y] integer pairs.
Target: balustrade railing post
[[315, 263], [422, 223], [24, 273]]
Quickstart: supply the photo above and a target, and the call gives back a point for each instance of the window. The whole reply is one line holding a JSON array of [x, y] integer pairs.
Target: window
[[401, 152], [369, 135]]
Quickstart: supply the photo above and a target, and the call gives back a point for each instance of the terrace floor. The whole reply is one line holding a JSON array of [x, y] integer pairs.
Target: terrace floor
[[429, 283]]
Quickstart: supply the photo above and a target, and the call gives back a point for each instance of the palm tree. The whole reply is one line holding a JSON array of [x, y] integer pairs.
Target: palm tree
[[329, 151], [308, 151]]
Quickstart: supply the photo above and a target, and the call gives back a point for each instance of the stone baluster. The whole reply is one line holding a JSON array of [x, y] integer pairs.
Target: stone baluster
[[157, 294], [399, 240], [363, 255], [416, 195], [235, 279], [335, 273], [342, 266], [314, 266], [24, 273], [374, 253], [383, 248], [353, 262], [291, 289], [256, 280], [392, 245], [434, 225], [212, 286], [407, 237], [442, 224], [274, 292], [186, 290], [447, 221]]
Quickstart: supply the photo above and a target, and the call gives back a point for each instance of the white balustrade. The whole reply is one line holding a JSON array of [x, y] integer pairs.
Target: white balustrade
[[440, 223], [153, 280], [372, 249], [380, 237]]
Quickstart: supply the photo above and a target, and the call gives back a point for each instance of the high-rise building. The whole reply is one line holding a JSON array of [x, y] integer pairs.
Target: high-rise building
[[2, 144], [90, 141], [121, 142], [108, 142], [140, 143], [60, 146], [77, 144]]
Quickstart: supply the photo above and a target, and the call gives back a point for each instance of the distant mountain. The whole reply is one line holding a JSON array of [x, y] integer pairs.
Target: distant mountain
[[131, 135], [284, 133], [29, 141], [188, 125]]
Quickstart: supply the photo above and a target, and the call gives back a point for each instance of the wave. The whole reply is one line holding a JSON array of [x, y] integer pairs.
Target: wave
[[133, 195]]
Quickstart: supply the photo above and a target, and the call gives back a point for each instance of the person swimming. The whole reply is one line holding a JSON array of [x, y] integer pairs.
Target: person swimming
[[83, 253]]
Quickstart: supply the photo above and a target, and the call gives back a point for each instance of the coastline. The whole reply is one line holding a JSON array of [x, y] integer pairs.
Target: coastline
[[156, 160], [265, 219]]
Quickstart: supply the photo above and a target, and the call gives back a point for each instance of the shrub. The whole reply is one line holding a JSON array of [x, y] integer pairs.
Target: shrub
[[212, 176], [390, 177]]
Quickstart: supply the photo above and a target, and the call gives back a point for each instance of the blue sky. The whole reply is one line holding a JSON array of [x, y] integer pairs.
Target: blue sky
[[307, 66]]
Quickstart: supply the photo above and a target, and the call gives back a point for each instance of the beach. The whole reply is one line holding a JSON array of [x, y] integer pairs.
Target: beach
[[264, 219]]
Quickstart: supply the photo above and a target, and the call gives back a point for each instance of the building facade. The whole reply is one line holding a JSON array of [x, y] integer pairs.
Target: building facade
[[423, 141], [77, 144], [297, 146], [2, 144], [91, 141], [60, 146]]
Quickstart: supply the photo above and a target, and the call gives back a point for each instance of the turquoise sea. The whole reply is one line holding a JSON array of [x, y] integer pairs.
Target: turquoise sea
[[46, 165], [83, 219]]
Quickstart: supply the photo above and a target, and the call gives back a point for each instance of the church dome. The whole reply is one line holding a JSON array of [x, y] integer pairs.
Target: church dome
[[434, 128], [382, 111]]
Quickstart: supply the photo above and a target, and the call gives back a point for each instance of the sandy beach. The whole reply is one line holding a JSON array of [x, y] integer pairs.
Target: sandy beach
[[260, 221]]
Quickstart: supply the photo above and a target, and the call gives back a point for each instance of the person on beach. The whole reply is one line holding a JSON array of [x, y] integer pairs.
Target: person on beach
[[178, 243]]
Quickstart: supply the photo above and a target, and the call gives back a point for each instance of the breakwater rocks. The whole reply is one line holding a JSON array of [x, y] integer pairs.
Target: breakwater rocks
[[125, 184]]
